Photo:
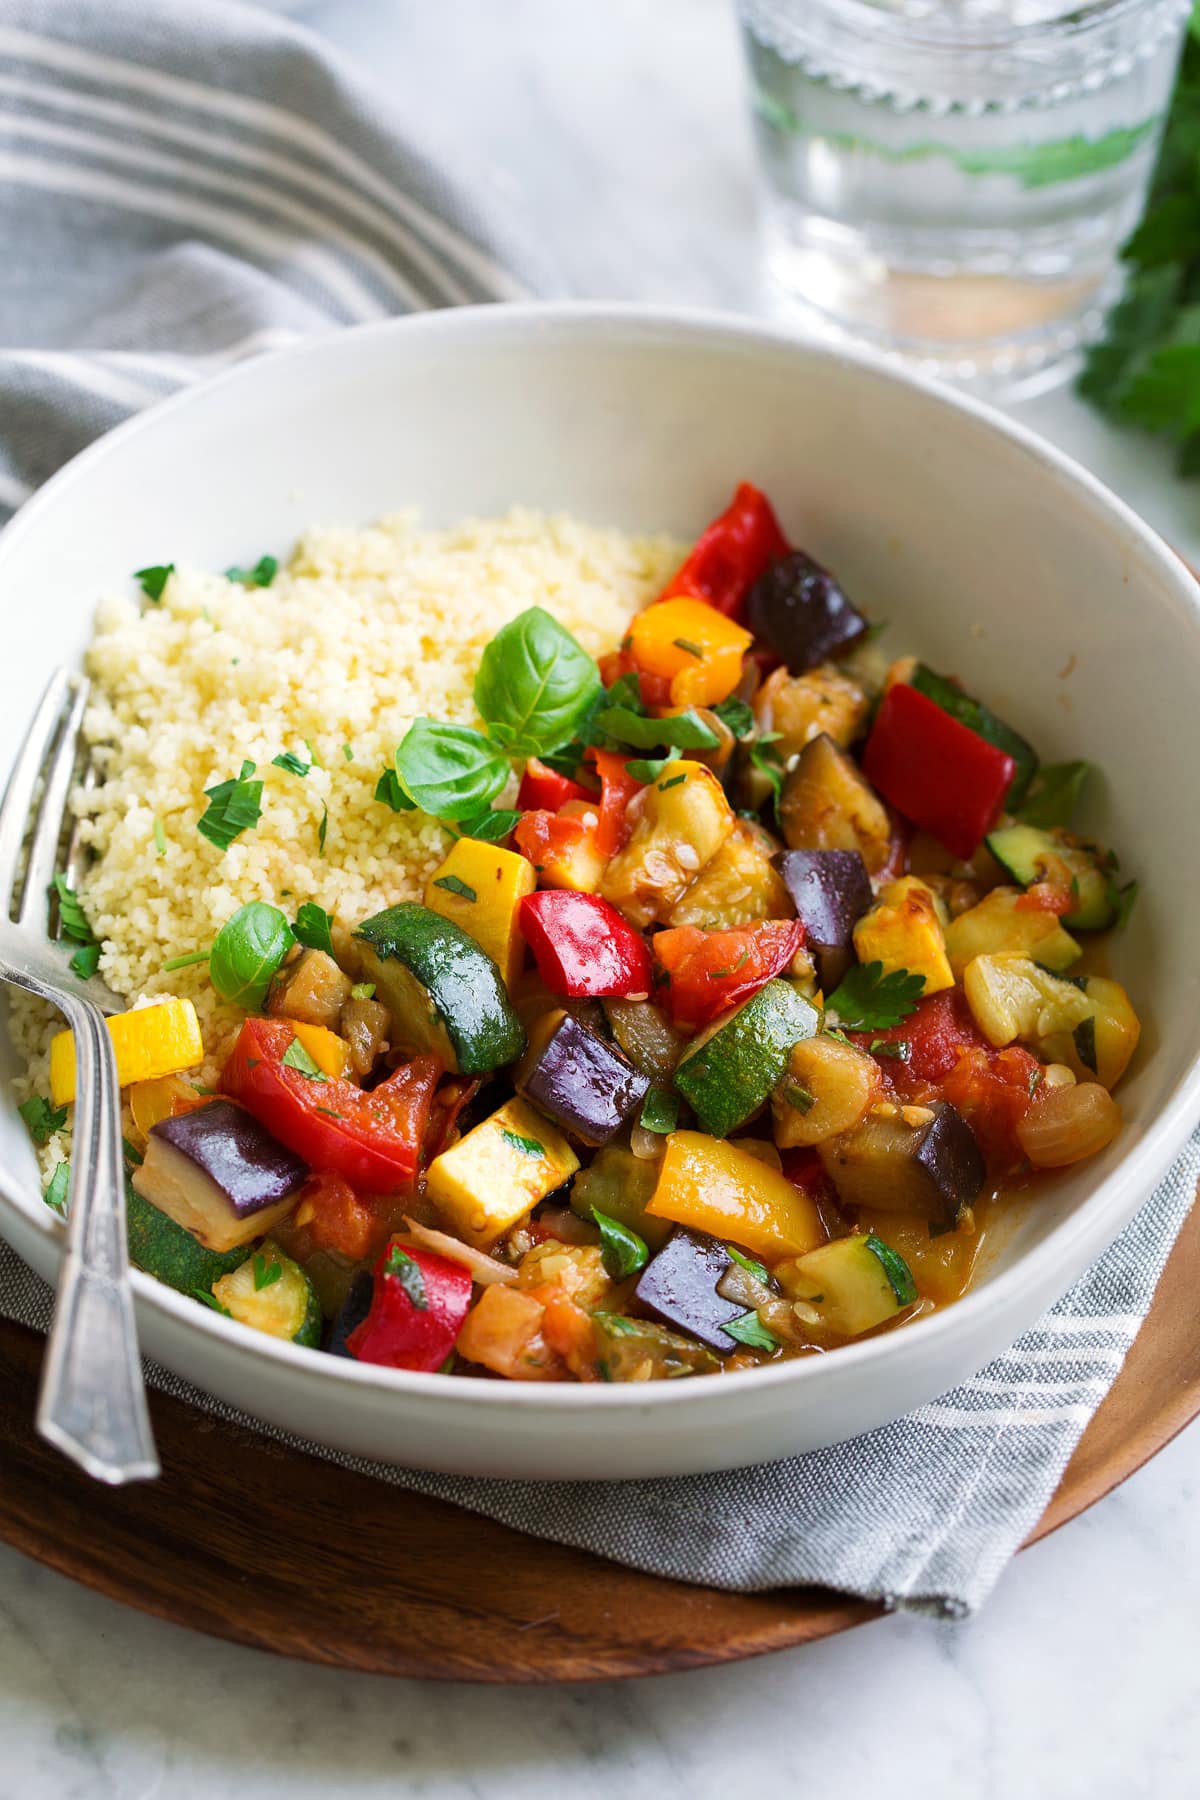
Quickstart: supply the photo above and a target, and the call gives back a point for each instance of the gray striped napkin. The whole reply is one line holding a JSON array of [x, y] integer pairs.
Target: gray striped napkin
[[183, 188]]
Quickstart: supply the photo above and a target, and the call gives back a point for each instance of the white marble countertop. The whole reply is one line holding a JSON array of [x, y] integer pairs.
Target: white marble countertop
[[616, 127]]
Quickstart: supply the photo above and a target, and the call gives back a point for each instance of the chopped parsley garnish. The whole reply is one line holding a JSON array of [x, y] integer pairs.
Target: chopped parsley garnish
[[185, 962], [233, 807], [723, 974], [690, 649], [802, 1098], [347, 752], [748, 1263], [766, 760], [154, 579], [408, 1273], [674, 782], [85, 961], [328, 1112], [297, 1057], [869, 1000], [363, 990], [660, 1111], [265, 1273], [71, 916], [207, 1299], [1084, 1038], [389, 792], [295, 765], [490, 826], [160, 836], [751, 1331], [260, 576], [314, 928], [41, 1119], [453, 885], [56, 1188], [736, 715], [526, 1145], [322, 828]]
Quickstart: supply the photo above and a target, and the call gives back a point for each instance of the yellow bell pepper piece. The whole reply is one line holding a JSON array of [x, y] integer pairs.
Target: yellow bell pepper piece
[[330, 1052], [692, 644], [497, 1173], [480, 887], [149, 1042], [713, 1186], [903, 930]]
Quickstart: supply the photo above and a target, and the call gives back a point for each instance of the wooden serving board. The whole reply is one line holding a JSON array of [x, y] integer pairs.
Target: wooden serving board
[[249, 1541]]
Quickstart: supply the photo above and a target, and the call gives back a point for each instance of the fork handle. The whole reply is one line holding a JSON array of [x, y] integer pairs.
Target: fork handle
[[92, 1401]]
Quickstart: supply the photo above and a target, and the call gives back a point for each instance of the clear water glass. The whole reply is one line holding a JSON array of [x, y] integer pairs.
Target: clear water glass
[[951, 180]]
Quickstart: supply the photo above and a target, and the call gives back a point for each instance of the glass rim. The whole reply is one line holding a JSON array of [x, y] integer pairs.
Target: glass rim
[[975, 36]]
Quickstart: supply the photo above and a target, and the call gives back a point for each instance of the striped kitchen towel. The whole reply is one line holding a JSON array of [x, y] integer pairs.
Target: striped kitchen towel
[[183, 186]]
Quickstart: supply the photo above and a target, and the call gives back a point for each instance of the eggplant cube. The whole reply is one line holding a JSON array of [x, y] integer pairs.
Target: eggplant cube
[[583, 1084], [923, 1160], [220, 1174], [350, 1315], [680, 1287], [831, 891], [798, 610]]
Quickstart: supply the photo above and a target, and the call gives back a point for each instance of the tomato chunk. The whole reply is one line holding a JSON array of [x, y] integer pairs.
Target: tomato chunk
[[542, 786], [711, 971]]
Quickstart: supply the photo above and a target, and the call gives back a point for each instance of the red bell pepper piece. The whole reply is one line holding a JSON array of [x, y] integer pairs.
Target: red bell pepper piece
[[373, 1140], [418, 1304], [617, 788], [655, 690], [935, 771], [545, 787], [583, 947], [731, 553], [711, 971]]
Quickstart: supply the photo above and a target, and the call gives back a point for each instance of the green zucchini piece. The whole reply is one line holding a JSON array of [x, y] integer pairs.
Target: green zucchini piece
[[983, 722], [854, 1283], [1021, 850], [282, 1304], [444, 993], [728, 1072], [169, 1252]]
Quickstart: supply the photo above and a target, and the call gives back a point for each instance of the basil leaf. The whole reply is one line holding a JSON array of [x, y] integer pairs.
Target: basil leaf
[[42, 1119], [751, 1331], [85, 961], [265, 1273], [453, 885], [55, 1195], [526, 1145], [623, 1252], [389, 792], [260, 576], [314, 928], [233, 807], [490, 826], [246, 953], [534, 685], [409, 1274], [682, 731], [297, 1057], [736, 715], [1054, 795], [295, 765], [71, 917], [759, 1270], [648, 769], [450, 771]]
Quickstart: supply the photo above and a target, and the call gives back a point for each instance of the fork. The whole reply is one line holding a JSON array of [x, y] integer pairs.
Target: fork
[[92, 1401]]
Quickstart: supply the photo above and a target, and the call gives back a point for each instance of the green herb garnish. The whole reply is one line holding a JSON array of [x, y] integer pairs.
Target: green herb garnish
[[363, 990], [348, 752], [211, 1300], [247, 952], [260, 576], [802, 1098], [184, 962], [154, 579], [265, 1273], [757, 1269], [85, 961], [408, 1273], [1084, 1039], [869, 1000], [314, 928], [647, 769], [297, 1057], [751, 1331], [899, 1048], [133, 1156], [526, 1145], [295, 765], [450, 771], [534, 685], [623, 1252], [900, 1278], [233, 807], [322, 828], [673, 782], [453, 885], [160, 836], [389, 792], [41, 1119], [680, 731], [490, 826], [736, 715], [724, 974], [689, 649], [1054, 794], [71, 917], [55, 1195]]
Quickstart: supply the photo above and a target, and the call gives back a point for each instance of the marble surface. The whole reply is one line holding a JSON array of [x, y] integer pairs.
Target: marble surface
[[616, 129]]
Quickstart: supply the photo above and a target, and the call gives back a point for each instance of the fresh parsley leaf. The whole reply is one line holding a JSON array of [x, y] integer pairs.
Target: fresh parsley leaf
[[389, 792], [55, 1195], [534, 685], [869, 1000], [71, 917], [736, 715], [85, 961], [265, 1273], [1054, 794], [297, 1057], [408, 1273], [42, 1120], [295, 765], [751, 1331], [314, 928], [233, 807], [675, 781], [622, 1251], [526, 1145], [154, 579], [660, 1111], [453, 885], [260, 576], [748, 1263]]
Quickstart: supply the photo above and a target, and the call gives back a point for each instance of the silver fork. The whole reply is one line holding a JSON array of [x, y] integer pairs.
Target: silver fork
[[92, 1402]]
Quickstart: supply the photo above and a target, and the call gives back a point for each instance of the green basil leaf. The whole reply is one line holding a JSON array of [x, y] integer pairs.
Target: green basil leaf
[[260, 576], [246, 953], [297, 1057], [389, 792], [450, 771], [490, 826], [682, 731], [409, 1274], [314, 928], [534, 685], [85, 961], [751, 1331], [736, 715], [1054, 795], [42, 1119], [233, 807], [55, 1195], [624, 1253]]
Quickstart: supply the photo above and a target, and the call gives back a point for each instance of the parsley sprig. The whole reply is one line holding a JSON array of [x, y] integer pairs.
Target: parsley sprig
[[869, 1000]]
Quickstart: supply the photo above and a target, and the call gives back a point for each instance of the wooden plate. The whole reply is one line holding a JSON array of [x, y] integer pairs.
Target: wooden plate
[[251, 1542]]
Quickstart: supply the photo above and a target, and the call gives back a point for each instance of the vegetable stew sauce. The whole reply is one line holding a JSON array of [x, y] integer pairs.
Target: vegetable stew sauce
[[727, 1043]]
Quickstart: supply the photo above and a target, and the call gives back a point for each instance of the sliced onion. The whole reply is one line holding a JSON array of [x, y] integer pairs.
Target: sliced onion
[[744, 1289], [647, 1146], [485, 1269], [1066, 1124]]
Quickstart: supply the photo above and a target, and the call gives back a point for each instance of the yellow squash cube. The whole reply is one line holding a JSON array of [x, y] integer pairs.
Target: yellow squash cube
[[149, 1042], [496, 1174], [480, 888], [903, 930]]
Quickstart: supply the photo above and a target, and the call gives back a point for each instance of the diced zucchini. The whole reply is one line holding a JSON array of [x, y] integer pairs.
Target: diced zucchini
[[169, 1252], [271, 1293], [728, 1071], [739, 885], [998, 926], [685, 820], [1029, 855], [983, 722], [444, 993], [828, 804], [854, 1283], [480, 886], [903, 930], [149, 1041], [497, 1173], [1013, 998], [641, 1350], [1098, 1046]]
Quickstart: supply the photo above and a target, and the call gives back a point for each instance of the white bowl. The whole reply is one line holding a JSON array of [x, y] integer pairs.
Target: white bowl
[[992, 555]]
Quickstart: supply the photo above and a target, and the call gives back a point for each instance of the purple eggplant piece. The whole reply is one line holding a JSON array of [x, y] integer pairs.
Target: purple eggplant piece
[[798, 610], [932, 1168], [831, 890], [949, 1154], [353, 1311], [585, 1085], [220, 1173], [679, 1286]]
